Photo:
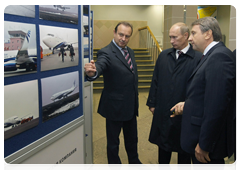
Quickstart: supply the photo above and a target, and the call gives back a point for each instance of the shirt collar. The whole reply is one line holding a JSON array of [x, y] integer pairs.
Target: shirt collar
[[209, 47], [118, 46], [185, 50]]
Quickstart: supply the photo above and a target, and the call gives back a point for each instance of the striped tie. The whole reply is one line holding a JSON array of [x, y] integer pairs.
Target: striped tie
[[179, 53], [127, 58]]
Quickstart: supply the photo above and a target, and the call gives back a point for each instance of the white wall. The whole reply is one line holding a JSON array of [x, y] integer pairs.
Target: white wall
[[153, 14]]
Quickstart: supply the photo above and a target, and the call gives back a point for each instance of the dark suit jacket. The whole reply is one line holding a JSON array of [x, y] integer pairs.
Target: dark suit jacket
[[234, 102], [119, 99], [205, 118]]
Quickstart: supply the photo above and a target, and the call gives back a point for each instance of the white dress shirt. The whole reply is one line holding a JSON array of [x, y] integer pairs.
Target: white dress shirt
[[183, 50]]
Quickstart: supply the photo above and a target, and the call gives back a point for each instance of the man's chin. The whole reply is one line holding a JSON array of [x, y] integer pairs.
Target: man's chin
[[122, 45]]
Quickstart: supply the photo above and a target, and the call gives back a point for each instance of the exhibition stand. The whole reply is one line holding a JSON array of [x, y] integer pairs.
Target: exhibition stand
[[47, 102]]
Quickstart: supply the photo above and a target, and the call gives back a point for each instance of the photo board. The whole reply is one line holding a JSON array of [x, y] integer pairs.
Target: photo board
[[46, 91]]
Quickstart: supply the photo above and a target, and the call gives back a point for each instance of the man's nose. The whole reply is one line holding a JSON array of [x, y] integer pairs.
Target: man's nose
[[190, 38]]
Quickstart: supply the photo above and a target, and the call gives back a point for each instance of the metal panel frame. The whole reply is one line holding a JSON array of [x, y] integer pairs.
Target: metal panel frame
[[43, 142]]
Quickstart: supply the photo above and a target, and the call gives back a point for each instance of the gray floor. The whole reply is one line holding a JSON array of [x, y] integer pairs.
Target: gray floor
[[148, 153]]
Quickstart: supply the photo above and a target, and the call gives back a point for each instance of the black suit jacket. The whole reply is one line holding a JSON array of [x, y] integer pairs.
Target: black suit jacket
[[205, 118], [234, 102], [119, 99]]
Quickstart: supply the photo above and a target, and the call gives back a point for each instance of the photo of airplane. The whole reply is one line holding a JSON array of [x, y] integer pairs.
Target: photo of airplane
[[21, 10], [20, 114], [62, 7], [59, 13], [59, 47], [12, 121], [53, 42], [60, 94], [22, 59], [20, 54], [63, 94]]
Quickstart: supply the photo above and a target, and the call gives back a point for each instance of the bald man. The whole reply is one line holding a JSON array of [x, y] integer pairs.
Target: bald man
[[172, 70]]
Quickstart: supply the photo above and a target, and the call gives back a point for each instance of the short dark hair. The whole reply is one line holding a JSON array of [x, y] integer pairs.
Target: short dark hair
[[209, 23], [124, 23]]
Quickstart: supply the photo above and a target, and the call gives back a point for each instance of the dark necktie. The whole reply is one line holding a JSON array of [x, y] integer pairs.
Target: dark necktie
[[127, 58], [179, 53], [202, 57]]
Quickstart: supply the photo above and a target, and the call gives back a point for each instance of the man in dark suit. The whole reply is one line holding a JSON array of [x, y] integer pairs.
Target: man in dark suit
[[119, 99], [234, 109], [168, 87], [207, 123]]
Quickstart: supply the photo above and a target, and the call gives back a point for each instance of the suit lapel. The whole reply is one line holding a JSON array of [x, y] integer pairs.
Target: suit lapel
[[205, 58], [120, 56], [198, 66]]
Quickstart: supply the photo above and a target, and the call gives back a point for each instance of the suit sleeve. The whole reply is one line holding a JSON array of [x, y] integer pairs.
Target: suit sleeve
[[219, 82], [101, 64]]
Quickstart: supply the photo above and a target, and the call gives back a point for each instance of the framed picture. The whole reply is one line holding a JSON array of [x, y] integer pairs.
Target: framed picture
[[59, 94], [20, 50], [59, 47]]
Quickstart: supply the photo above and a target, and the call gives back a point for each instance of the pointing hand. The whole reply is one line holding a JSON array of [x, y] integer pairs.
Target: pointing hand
[[90, 69]]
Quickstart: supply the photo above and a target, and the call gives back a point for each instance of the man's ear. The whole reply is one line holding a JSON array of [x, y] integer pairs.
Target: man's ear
[[208, 34], [186, 35]]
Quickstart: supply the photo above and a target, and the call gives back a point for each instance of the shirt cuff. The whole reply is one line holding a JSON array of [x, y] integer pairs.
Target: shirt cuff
[[92, 78]]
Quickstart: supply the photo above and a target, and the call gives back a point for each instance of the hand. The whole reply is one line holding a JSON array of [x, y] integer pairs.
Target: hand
[[201, 155], [152, 109], [178, 109], [90, 69]]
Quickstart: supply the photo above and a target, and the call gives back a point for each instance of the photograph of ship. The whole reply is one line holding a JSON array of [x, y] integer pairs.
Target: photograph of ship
[[59, 47], [20, 51], [60, 13], [21, 10], [21, 109], [59, 94]]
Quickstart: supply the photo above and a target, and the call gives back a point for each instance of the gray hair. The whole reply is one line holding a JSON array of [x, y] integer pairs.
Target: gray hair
[[209, 23]]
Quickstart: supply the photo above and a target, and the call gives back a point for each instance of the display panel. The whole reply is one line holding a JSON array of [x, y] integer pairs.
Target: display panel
[[25, 138]]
